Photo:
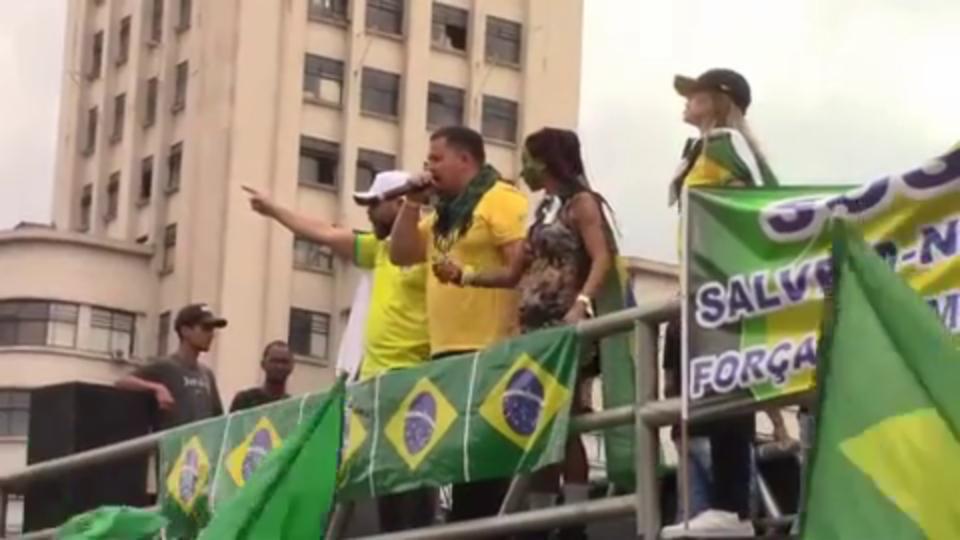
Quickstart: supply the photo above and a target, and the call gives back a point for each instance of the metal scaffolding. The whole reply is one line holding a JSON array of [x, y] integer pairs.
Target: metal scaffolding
[[647, 415]]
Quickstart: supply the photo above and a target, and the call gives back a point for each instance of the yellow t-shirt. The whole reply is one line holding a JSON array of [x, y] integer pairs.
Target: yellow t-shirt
[[395, 335], [469, 318]]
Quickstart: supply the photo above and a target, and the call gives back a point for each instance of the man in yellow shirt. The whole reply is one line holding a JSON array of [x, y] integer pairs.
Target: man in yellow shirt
[[395, 333], [479, 223]]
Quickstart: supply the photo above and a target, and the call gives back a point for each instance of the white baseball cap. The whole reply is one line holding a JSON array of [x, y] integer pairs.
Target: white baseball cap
[[382, 183]]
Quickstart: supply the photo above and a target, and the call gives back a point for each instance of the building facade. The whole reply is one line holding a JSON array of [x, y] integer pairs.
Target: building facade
[[168, 107]]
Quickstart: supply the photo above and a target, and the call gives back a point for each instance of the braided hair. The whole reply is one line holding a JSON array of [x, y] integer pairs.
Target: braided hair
[[559, 151]]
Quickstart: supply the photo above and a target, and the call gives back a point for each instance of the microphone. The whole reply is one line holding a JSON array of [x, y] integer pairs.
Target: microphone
[[417, 182]]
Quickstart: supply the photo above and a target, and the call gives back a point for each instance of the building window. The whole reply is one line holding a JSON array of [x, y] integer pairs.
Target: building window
[[323, 79], [96, 56], [371, 163], [309, 333], [86, 207], [385, 16], [113, 197], [499, 119], [180, 89], [112, 332], [163, 333], [146, 180], [150, 109], [184, 14], [123, 50], [449, 27], [444, 106], [38, 322], [174, 166], [90, 140], [169, 249], [328, 9], [156, 21], [119, 117], [14, 413], [318, 162], [312, 256], [503, 41], [380, 92]]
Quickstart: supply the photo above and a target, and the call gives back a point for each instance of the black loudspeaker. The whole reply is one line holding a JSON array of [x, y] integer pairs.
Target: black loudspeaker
[[69, 418]]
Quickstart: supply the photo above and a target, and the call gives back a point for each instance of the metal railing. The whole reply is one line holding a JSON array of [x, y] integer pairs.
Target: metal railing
[[647, 415]]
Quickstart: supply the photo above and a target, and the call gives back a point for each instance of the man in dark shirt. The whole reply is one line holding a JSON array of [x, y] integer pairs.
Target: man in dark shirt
[[277, 365], [185, 390]]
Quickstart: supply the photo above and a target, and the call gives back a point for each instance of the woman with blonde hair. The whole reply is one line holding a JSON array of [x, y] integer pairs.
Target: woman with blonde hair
[[724, 155]]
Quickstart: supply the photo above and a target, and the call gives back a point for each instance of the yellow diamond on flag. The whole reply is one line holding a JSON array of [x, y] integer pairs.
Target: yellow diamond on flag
[[524, 401], [244, 459], [189, 475], [420, 422], [354, 436]]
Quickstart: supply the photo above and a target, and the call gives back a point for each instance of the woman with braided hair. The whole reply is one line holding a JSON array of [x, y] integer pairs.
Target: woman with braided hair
[[567, 255]]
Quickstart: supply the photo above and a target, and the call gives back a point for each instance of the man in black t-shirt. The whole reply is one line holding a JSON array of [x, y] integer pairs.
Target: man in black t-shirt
[[185, 390], [277, 365]]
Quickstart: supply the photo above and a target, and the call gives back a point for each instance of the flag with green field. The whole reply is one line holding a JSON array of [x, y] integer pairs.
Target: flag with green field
[[491, 414], [886, 462]]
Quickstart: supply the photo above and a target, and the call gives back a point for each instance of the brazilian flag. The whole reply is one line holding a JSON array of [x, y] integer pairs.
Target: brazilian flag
[[886, 462], [490, 414], [189, 457]]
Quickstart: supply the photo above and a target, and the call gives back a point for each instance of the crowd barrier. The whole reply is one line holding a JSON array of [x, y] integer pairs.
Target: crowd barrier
[[647, 415]]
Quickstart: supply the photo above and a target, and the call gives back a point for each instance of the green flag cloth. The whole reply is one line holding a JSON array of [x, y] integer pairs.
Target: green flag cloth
[[291, 492], [491, 414], [111, 522], [886, 461]]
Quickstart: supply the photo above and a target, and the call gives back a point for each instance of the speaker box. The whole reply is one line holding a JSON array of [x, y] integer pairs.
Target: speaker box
[[69, 418]]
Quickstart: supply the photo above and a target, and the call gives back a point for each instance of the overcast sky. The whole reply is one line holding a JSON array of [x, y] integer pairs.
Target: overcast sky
[[844, 91]]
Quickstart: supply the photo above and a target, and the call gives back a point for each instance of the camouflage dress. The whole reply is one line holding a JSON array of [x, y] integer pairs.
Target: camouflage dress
[[557, 265]]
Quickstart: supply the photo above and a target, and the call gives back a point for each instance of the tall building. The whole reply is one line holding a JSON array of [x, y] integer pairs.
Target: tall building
[[170, 106]]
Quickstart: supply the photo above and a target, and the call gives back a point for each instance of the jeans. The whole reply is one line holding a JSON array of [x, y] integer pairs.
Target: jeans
[[700, 478]]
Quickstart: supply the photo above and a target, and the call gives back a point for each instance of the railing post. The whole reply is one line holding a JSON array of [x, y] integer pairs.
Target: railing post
[[3, 512], [515, 494], [647, 454], [339, 520]]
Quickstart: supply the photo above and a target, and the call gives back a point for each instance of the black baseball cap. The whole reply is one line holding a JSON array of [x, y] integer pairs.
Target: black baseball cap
[[198, 314], [725, 81]]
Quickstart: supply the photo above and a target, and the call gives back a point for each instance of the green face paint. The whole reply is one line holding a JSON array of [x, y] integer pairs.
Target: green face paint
[[532, 171]]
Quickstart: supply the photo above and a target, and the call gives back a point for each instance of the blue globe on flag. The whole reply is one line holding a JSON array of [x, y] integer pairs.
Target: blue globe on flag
[[523, 401], [419, 422], [189, 475], [260, 446]]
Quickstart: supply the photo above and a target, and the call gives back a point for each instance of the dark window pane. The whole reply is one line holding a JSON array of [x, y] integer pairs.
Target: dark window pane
[[174, 167], [146, 179], [369, 164], [318, 161], [309, 333], [380, 92], [156, 21], [385, 16], [96, 55], [328, 9], [444, 106], [180, 90], [150, 113], [449, 29], [503, 40], [323, 79], [499, 119], [123, 53]]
